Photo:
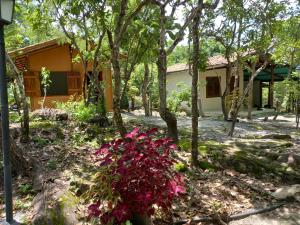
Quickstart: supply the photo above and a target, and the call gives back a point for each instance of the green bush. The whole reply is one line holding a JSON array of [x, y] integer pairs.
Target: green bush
[[25, 189], [78, 110], [176, 98], [181, 167], [124, 102]]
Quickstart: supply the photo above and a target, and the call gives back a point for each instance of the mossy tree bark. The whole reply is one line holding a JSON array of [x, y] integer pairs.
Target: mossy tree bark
[[195, 75]]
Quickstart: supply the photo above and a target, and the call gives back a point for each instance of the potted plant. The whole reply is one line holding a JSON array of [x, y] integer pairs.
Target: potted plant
[[135, 177]]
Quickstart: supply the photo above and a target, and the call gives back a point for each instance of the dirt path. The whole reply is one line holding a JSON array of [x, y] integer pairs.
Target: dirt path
[[284, 216]]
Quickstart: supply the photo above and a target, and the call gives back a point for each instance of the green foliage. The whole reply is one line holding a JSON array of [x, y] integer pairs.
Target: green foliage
[[209, 47], [32, 24], [185, 144], [78, 110], [25, 189], [15, 117], [124, 102], [176, 98], [286, 89], [181, 167], [45, 78], [205, 165], [40, 141]]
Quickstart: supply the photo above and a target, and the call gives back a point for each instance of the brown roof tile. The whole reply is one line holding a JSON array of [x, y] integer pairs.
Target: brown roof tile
[[213, 62], [34, 47]]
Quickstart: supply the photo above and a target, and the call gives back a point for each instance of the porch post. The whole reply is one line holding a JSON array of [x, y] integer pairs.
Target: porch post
[[271, 88]]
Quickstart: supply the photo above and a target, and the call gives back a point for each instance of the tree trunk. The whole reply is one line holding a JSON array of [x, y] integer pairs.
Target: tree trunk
[[250, 100], [242, 98], [145, 90], [164, 112], [132, 104], [195, 75], [227, 89], [277, 110], [25, 106], [235, 97], [200, 108], [234, 107], [117, 92], [17, 98]]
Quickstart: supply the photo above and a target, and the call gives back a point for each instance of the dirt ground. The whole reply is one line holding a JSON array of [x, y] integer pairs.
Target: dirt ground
[[235, 174]]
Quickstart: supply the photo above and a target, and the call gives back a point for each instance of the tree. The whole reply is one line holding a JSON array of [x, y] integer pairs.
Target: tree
[[45, 83], [20, 97], [31, 24], [145, 89], [226, 34], [288, 49], [123, 14], [166, 19], [82, 23], [258, 35], [195, 76]]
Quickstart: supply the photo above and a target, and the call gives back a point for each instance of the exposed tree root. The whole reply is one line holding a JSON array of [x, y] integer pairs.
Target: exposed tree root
[[237, 216]]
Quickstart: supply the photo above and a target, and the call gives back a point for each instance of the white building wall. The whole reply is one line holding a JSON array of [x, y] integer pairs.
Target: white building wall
[[209, 104]]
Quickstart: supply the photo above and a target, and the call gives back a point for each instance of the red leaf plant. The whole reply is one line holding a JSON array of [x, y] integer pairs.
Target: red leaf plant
[[135, 174]]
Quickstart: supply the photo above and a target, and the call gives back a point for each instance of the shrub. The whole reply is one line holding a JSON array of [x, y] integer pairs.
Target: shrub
[[78, 109], [177, 98], [181, 167], [135, 173]]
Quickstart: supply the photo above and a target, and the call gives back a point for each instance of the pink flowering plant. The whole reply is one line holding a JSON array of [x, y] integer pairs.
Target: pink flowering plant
[[135, 174]]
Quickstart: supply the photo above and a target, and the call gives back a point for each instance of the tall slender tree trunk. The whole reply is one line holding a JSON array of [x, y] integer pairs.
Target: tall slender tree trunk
[[234, 107], [235, 94], [25, 106], [164, 112], [200, 107], [16, 97], [250, 99], [227, 89], [145, 90], [195, 76], [243, 96], [117, 92]]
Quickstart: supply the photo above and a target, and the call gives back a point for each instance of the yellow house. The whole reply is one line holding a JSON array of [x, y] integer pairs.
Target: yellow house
[[212, 81], [67, 77]]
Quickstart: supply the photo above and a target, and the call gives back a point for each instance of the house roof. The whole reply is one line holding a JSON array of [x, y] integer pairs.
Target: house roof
[[217, 61], [34, 48]]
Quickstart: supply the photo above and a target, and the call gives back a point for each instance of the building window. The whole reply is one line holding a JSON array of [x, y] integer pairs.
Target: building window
[[58, 86], [213, 87]]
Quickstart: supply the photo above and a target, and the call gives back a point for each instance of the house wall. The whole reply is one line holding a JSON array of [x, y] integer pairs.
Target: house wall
[[208, 104], [58, 59], [257, 93]]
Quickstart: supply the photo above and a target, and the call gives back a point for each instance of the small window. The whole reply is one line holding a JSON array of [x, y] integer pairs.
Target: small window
[[213, 87], [58, 86]]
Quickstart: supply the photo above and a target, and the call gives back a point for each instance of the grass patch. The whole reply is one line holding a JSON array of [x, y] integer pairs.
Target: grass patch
[[14, 117], [43, 123], [205, 165], [40, 141]]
